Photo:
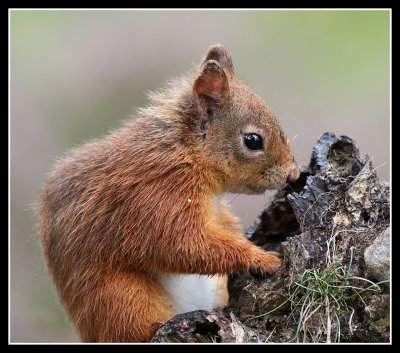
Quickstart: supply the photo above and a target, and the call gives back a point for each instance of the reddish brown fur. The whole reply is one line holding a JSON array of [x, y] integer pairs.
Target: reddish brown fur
[[115, 211]]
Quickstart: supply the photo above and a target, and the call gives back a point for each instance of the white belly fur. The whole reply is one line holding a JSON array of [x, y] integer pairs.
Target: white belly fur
[[194, 292]]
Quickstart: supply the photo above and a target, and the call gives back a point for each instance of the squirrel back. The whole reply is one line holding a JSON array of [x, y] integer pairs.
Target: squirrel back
[[119, 212]]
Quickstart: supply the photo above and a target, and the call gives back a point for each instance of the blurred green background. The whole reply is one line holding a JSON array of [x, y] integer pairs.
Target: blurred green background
[[74, 75]]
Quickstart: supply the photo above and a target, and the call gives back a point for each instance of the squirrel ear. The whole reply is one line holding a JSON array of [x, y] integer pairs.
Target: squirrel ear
[[218, 53], [212, 84]]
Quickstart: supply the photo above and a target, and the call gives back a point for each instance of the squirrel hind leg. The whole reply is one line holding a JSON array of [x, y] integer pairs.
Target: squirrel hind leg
[[124, 309]]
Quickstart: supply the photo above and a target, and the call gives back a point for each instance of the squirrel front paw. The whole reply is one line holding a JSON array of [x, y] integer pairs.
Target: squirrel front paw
[[266, 264]]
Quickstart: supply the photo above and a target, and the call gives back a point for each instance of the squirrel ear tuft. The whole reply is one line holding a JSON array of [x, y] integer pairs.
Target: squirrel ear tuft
[[212, 84], [218, 53]]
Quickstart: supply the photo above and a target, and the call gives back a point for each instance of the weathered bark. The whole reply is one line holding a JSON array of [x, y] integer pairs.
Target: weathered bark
[[335, 216]]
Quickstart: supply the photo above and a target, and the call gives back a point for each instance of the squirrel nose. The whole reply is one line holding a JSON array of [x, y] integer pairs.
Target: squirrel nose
[[293, 174]]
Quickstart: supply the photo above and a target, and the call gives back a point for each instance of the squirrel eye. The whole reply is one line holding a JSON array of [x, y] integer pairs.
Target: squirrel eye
[[253, 142]]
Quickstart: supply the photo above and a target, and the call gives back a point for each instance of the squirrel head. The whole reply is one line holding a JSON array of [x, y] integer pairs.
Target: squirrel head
[[236, 131]]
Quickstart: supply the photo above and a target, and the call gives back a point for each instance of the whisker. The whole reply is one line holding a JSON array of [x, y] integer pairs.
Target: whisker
[[380, 166], [287, 184], [237, 195]]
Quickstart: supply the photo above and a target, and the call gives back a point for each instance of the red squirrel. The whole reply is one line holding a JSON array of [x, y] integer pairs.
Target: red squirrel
[[130, 225]]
